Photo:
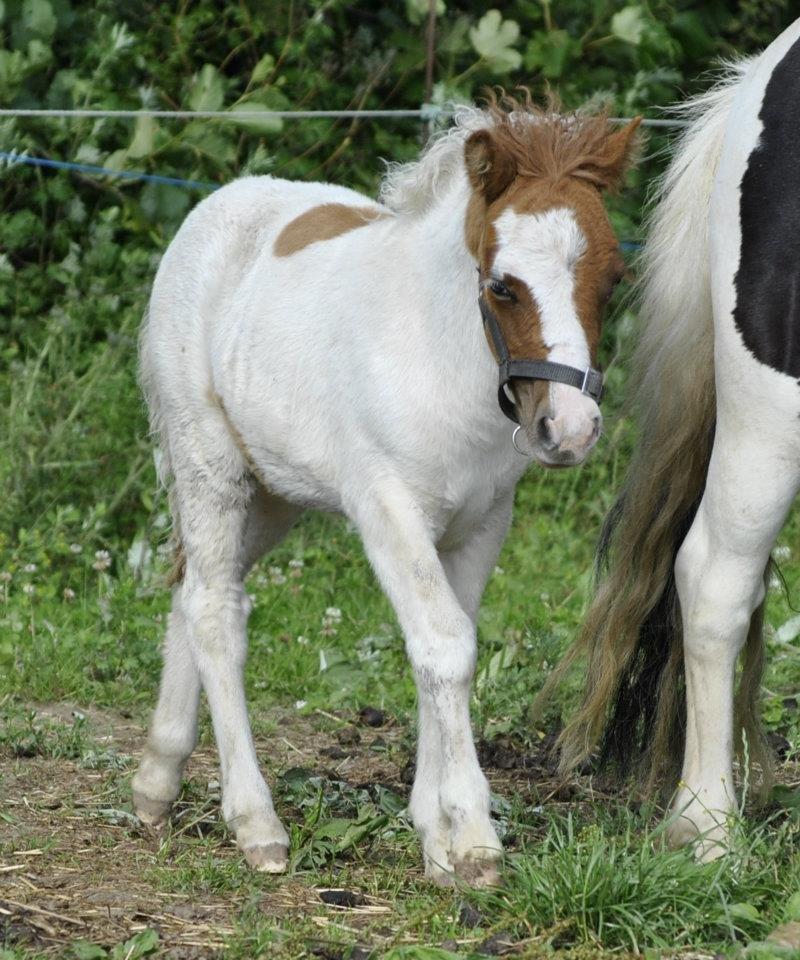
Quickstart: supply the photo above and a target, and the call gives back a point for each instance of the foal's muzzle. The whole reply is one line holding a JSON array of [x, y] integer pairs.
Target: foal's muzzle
[[558, 428]]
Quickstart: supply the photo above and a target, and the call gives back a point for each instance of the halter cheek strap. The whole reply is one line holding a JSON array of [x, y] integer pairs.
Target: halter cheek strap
[[589, 381]]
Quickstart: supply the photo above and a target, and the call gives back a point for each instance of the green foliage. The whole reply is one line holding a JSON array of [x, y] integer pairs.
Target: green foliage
[[142, 944]]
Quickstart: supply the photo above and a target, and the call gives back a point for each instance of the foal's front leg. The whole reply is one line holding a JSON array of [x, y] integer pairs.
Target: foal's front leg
[[457, 833], [468, 567]]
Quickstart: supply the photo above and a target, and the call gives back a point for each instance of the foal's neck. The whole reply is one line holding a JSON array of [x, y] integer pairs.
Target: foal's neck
[[445, 264], [445, 270]]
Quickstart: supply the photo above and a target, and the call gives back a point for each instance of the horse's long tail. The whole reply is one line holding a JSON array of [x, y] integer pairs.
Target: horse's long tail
[[634, 705]]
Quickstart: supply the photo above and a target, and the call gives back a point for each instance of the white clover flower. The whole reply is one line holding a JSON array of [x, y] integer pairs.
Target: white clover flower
[[782, 552], [75, 548], [276, 576], [332, 618], [296, 564], [5, 577], [499, 571], [30, 568], [28, 589], [303, 641], [299, 704], [69, 594], [102, 560]]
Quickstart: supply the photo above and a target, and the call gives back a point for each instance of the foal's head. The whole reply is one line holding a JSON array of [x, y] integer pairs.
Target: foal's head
[[547, 256]]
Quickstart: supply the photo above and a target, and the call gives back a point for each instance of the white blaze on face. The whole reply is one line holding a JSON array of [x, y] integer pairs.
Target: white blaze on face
[[542, 250]]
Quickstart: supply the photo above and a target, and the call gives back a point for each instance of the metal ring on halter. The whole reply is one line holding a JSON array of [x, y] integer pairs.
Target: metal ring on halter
[[522, 453]]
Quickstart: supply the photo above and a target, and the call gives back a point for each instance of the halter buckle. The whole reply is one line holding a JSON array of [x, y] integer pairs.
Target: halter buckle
[[592, 384]]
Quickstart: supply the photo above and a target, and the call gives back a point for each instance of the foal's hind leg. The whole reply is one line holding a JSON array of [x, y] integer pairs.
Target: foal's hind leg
[[225, 523], [753, 477], [173, 727]]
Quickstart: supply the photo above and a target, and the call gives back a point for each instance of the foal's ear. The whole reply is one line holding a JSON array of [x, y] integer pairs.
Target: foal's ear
[[618, 152], [490, 168]]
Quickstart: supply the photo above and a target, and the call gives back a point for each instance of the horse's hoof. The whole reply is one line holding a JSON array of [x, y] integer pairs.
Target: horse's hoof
[[707, 834], [707, 850], [153, 813], [439, 877], [478, 873], [267, 857]]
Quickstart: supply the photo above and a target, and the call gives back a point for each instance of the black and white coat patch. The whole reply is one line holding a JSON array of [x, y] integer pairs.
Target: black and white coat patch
[[767, 312]]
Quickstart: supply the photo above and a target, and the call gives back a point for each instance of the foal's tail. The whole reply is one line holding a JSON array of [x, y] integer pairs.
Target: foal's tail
[[633, 705], [163, 460]]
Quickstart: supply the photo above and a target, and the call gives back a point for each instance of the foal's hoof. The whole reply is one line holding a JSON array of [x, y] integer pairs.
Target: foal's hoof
[[153, 813], [267, 857], [473, 873], [478, 873], [439, 876]]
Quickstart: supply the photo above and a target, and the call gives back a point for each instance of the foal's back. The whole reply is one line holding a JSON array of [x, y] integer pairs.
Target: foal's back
[[224, 240]]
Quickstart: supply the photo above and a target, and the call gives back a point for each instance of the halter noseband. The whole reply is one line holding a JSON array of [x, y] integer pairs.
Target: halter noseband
[[589, 381]]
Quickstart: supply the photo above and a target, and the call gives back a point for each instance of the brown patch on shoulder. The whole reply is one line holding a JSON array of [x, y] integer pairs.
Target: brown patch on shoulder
[[324, 222]]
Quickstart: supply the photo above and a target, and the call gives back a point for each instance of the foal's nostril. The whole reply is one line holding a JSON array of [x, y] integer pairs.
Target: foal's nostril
[[596, 425], [543, 425]]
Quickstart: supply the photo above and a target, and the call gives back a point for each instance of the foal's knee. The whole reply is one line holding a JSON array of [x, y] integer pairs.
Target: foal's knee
[[446, 655], [216, 615]]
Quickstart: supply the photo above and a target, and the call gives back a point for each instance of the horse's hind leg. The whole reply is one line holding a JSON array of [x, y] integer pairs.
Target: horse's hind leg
[[752, 480]]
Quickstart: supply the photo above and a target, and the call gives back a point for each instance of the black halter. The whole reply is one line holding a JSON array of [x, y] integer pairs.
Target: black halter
[[589, 381]]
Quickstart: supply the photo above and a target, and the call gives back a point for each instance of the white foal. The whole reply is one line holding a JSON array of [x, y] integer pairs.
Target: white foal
[[718, 464], [308, 348]]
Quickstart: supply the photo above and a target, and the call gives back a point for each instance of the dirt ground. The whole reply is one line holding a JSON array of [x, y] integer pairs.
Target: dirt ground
[[74, 859], [76, 865]]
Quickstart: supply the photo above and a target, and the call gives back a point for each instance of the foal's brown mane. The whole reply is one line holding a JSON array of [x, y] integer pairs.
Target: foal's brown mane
[[548, 144]]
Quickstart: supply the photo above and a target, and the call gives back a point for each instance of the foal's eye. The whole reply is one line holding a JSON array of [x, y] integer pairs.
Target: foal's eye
[[500, 290]]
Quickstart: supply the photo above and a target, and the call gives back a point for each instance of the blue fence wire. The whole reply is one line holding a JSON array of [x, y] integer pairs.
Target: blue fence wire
[[427, 112], [12, 159]]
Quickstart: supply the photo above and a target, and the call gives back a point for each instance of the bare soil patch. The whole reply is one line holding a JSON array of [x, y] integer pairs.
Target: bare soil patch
[[74, 862]]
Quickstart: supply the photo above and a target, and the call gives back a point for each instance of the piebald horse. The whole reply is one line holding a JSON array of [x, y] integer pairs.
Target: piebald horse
[[306, 347], [717, 465]]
